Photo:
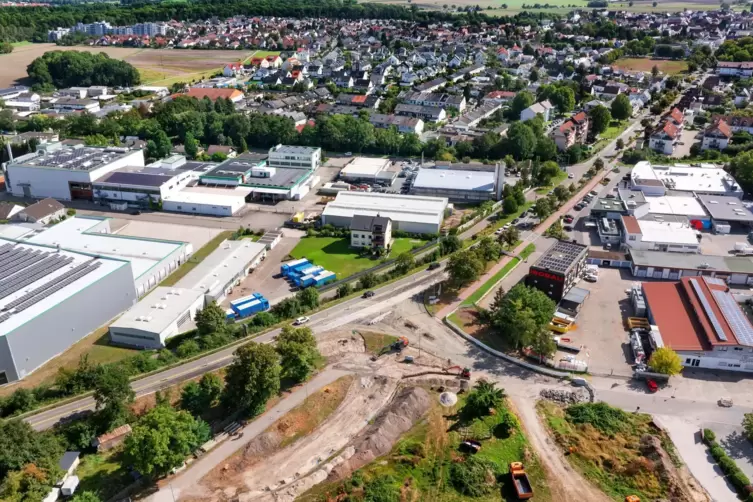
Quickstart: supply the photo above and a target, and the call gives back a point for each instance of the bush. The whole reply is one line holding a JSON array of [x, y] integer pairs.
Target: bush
[[728, 465], [601, 416], [472, 477], [717, 452], [708, 436], [739, 480]]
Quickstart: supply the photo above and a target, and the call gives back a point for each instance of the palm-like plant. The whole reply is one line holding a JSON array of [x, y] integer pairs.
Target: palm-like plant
[[484, 397]]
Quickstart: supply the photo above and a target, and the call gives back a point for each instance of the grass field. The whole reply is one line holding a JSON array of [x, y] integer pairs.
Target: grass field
[[375, 342], [336, 255], [646, 64], [157, 66], [103, 474]]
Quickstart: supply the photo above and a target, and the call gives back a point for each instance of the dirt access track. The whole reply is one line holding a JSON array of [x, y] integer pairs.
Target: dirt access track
[[157, 66]]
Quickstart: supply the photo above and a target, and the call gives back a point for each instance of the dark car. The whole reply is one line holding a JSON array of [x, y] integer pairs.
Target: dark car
[[368, 294], [136, 212], [434, 265]]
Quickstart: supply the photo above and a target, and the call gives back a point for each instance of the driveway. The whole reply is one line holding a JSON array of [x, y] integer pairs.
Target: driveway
[[687, 439]]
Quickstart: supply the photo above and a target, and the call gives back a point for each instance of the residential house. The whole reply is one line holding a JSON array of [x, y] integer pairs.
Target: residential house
[[573, 131], [233, 69], [544, 108], [8, 209], [402, 123], [734, 69], [42, 212], [371, 232], [664, 138], [716, 136], [227, 151], [426, 113], [499, 97]]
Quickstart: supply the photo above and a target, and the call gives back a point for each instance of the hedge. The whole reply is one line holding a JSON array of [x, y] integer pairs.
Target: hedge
[[738, 478], [709, 436]]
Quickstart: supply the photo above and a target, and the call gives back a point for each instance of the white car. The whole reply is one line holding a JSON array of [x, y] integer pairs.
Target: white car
[[571, 176], [301, 320]]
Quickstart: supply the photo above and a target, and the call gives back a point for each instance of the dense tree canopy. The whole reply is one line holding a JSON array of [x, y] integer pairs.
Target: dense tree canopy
[[252, 378], [73, 68], [520, 314]]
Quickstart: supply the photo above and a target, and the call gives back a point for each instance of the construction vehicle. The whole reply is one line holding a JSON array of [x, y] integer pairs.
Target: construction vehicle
[[464, 373], [632, 498], [520, 479], [399, 344]]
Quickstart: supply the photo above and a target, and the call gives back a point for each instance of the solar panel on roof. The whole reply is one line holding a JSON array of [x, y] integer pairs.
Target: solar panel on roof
[[710, 313], [56, 286], [139, 179], [5, 317], [27, 277], [36, 291], [735, 317], [715, 280]]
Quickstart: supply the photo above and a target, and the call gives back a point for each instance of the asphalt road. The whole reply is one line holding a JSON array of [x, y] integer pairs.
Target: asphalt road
[[325, 320]]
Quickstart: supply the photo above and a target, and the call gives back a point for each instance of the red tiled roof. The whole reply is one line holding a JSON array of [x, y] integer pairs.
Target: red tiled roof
[[631, 224], [212, 94], [722, 127], [359, 99], [567, 126], [579, 117], [669, 129], [676, 115], [674, 315]]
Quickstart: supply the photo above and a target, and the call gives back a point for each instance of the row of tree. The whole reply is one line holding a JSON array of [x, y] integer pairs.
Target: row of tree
[[60, 69]]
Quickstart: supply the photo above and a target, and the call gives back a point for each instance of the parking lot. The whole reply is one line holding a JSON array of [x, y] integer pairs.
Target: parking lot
[[682, 148], [600, 326], [722, 244]]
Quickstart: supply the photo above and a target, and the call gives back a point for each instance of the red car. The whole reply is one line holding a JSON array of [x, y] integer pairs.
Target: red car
[[652, 386]]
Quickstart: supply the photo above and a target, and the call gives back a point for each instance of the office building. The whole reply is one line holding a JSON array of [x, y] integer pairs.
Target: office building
[[558, 269]]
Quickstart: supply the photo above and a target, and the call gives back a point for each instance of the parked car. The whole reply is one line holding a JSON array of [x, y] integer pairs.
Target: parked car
[[367, 294], [570, 175], [434, 265], [301, 320], [611, 196]]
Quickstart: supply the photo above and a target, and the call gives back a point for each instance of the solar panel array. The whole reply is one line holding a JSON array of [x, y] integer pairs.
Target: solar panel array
[[560, 257], [735, 317], [20, 267], [715, 280], [710, 313]]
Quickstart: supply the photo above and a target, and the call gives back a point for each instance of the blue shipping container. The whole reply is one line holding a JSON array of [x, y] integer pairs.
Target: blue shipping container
[[285, 268]]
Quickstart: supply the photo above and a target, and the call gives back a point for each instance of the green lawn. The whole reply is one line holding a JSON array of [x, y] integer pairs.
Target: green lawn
[[336, 255], [615, 129], [196, 258], [103, 474], [20, 44], [561, 176], [480, 292]]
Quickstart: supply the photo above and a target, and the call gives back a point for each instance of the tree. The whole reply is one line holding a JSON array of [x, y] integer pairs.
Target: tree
[[344, 290], [520, 102], [298, 352], [748, 425], [159, 147], [73, 68], [521, 141], [198, 397], [29, 484], [546, 149], [521, 314], [547, 171], [450, 244], [308, 298], [600, 119], [564, 99], [599, 164], [561, 193], [619, 144], [21, 445], [655, 71], [666, 361], [510, 236], [542, 208], [211, 319], [510, 205], [543, 344], [6, 47], [162, 439], [621, 107], [404, 262], [484, 398], [86, 497], [741, 167], [252, 378], [463, 268], [487, 249], [191, 146], [113, 395], [655, 4]]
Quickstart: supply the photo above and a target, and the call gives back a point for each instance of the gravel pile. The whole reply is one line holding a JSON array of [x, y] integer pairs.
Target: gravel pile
[[565, 397]]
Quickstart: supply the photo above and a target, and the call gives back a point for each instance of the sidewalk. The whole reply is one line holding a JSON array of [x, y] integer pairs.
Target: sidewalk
[[540, 228]]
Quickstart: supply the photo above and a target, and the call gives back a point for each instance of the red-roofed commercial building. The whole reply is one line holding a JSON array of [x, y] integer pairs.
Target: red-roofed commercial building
[[700, 319]]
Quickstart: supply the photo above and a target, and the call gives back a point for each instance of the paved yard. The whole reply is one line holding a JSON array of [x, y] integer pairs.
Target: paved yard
[[721, 244], [737, 446], [682, 149], [196, 236], [600, 327]]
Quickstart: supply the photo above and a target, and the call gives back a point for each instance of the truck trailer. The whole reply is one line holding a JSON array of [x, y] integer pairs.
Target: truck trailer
[[287, 267], [520, 479]]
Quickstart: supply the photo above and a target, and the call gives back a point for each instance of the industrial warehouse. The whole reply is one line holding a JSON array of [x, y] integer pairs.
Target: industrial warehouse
[[166, 312], [411, 214], [45, 288], [460, 185]]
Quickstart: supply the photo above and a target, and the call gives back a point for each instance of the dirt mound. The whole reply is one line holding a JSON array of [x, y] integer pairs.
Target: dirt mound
[[338, 343], [408, 406], [681, 485]]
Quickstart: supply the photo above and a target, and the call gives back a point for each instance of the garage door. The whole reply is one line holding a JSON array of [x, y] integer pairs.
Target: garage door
[[737, 279]]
